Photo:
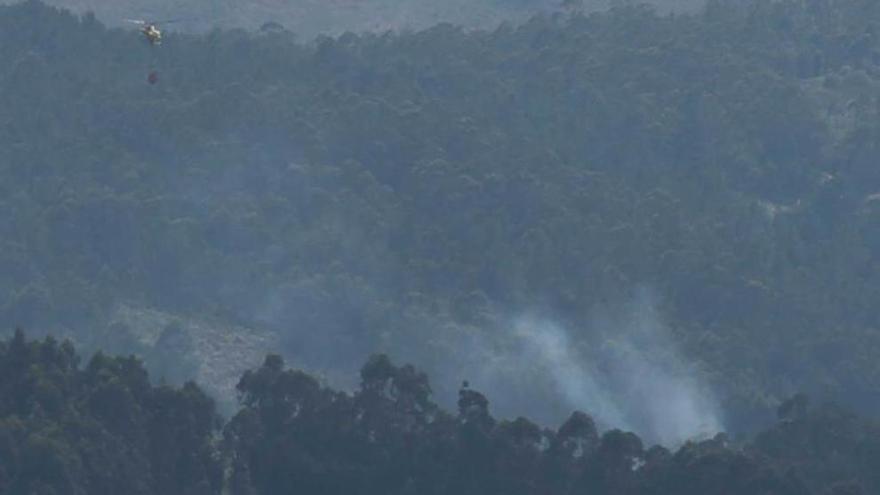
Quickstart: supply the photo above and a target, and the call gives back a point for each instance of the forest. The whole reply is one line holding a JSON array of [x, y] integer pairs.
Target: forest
[[310, 18], [445, 197], [103, 428]]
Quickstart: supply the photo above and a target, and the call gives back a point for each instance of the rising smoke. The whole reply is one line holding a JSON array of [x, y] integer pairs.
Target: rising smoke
[[622, 366], [625, 370]]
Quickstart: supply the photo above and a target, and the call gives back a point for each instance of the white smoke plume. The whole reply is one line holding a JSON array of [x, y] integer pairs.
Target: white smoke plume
[[625, 370]]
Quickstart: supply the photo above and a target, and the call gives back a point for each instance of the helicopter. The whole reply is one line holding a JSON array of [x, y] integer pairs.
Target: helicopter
[[151, 30]]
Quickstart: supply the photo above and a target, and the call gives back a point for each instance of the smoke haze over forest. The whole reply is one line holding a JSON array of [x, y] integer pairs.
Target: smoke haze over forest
[[667, 222], [308, 18]]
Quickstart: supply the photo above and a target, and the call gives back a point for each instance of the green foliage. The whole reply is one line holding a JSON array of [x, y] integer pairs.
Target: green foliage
[[294, 434], [102, 429], [353, 192]]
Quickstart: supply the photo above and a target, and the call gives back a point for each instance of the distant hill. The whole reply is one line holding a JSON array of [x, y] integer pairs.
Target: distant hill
[[308, 18], [681, 210]]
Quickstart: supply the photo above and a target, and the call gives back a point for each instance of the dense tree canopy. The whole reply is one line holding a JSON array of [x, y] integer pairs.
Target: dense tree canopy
[[405, 192], [99, 429], [103, 429]]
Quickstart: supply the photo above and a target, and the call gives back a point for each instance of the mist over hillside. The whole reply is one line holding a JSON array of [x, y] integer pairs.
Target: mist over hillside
[[676, 206], [308, 18]]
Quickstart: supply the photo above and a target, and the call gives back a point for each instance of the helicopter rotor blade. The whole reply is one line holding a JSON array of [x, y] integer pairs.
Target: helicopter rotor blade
[[169, 21], [135, 21]]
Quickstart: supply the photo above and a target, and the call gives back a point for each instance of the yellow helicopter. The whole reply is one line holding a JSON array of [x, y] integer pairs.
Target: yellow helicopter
[[151, 29]]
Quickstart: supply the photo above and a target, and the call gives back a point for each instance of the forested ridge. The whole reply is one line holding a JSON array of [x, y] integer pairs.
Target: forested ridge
[[409, 192], [102, 428], [309, 18]]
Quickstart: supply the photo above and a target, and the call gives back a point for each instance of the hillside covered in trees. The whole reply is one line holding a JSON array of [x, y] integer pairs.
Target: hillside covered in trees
[[309, 18], [102, 428], [417, 193]]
